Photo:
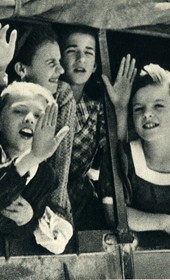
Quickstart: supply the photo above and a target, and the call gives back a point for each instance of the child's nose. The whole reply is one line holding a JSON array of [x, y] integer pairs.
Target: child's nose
[[29, 118], [59, 69], [148, 114], [81, 56]]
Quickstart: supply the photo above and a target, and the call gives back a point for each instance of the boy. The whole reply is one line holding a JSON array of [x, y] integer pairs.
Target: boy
[[78, 52]]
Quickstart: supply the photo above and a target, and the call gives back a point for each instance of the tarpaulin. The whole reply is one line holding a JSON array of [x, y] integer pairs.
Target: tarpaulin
[[108, 14]]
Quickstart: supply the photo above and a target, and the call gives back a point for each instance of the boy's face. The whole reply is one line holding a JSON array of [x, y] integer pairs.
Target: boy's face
[[45, 68], [151, 112], [18, 120], [78, 58]]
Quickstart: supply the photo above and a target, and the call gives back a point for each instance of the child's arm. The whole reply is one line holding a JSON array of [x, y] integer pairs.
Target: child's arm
[[120, 93], [142, 221], [6, 50], [45, 142], [20, 211]]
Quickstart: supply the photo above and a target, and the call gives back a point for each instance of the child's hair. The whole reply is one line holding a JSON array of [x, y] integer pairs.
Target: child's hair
[[66, 31], [28, 44], [151, 74], [93, 86], [21, 88]]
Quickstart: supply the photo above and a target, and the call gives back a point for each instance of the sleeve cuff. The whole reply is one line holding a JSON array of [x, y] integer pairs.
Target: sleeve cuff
[[107, 200]]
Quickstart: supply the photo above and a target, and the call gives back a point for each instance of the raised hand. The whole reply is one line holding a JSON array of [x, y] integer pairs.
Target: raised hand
[[120, 92], [6, 48], [20, 211], [45, 142]]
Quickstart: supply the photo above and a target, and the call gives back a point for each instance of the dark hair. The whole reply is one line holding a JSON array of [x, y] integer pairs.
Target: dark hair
[[141, 82], [93, 86], [28, 44], [67, 30]]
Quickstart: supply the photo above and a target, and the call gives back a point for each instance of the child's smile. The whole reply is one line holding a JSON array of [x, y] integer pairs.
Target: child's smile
[[151, 112], [150, 125], [45, 68]]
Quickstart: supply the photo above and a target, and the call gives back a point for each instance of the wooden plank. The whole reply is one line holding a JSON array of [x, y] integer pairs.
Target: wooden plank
[[154, 264], [85, 266]]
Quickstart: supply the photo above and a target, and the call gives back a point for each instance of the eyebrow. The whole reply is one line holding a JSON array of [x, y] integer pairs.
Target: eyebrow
[[74, 46], [21, 105], [162, 100], [18, 104], [50, 59], [136, 104]]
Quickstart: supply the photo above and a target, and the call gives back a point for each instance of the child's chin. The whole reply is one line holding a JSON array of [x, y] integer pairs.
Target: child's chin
[[25, 150]]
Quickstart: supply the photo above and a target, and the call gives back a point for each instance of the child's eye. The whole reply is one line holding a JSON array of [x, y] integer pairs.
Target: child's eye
[[89, 53], [51, 63], [70, 50], [37, 116], [137, 109], [159, 106], [19, 112]]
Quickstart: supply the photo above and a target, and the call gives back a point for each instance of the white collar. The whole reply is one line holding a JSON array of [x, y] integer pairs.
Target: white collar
[[141, 168]]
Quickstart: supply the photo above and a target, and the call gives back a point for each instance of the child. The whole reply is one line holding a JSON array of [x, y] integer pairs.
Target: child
[[28, 116], [148, 202], [78, 51], [37, 59]]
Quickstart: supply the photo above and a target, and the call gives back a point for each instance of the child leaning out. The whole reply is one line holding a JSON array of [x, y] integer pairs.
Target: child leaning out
[[148, 156], [30, 222]]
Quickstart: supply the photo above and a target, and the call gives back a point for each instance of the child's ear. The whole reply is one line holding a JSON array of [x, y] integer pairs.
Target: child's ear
[[94, 67], [21, 70]]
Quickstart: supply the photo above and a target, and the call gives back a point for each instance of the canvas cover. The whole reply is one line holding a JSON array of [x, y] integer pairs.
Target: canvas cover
[[108, 14]]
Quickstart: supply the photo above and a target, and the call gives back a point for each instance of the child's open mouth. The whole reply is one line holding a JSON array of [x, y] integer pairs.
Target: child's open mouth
[[53, 80], [80, 70], [26, 133], [150, 125]]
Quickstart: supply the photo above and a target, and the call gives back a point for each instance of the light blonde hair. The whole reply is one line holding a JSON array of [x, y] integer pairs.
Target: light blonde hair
[[25, 87]]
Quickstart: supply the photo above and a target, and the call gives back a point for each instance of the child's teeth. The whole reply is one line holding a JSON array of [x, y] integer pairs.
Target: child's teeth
[[27, 130]]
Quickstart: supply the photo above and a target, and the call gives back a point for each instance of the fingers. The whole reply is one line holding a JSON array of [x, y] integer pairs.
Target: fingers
[[49, 118], [121, 68], [14, 206], [127, 68], [4, 30], [127, 65], [52, 119], [131, 68], [60, 135], [13, 38], [9, 214], [46, 116], [133, 75]]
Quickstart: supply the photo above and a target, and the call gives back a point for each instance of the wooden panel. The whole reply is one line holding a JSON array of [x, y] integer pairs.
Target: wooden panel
[[153, 264], [85, 266]]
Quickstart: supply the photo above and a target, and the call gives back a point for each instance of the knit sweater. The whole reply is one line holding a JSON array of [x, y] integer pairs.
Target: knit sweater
[[61, 159]]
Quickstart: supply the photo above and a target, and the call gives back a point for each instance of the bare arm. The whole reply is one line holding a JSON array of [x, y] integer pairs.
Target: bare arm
[[143, 221]]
